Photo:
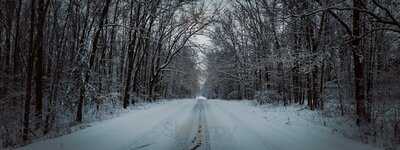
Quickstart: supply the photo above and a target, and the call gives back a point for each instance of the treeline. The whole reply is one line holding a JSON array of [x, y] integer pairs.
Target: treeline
[[305, 52], [65, 61]]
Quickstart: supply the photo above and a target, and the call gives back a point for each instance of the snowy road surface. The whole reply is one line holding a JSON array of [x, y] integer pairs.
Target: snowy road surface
[[199, 125]]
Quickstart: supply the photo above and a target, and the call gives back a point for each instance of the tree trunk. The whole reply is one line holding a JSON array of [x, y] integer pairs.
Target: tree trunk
[[133, 50], [16, 40], [85, 76], [28, 92], [358, 55], [38, 61], [82, 90]]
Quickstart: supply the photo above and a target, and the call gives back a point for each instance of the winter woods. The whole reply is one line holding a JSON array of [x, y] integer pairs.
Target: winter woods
[[327, 54], [66, 61]]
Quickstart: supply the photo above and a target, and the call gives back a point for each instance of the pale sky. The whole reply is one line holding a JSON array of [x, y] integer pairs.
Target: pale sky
[[204, 41]]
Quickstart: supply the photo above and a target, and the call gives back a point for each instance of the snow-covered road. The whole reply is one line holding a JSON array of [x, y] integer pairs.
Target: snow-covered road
[[199, 125]]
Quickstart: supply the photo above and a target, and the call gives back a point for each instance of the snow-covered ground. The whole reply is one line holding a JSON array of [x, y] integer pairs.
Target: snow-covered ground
[[202, 125]]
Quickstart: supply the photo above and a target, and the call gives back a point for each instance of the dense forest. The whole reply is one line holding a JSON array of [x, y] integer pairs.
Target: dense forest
[[338, 55], [64, 63]]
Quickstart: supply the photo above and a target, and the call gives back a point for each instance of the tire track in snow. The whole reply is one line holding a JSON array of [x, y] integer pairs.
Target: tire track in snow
[[200, 141]]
